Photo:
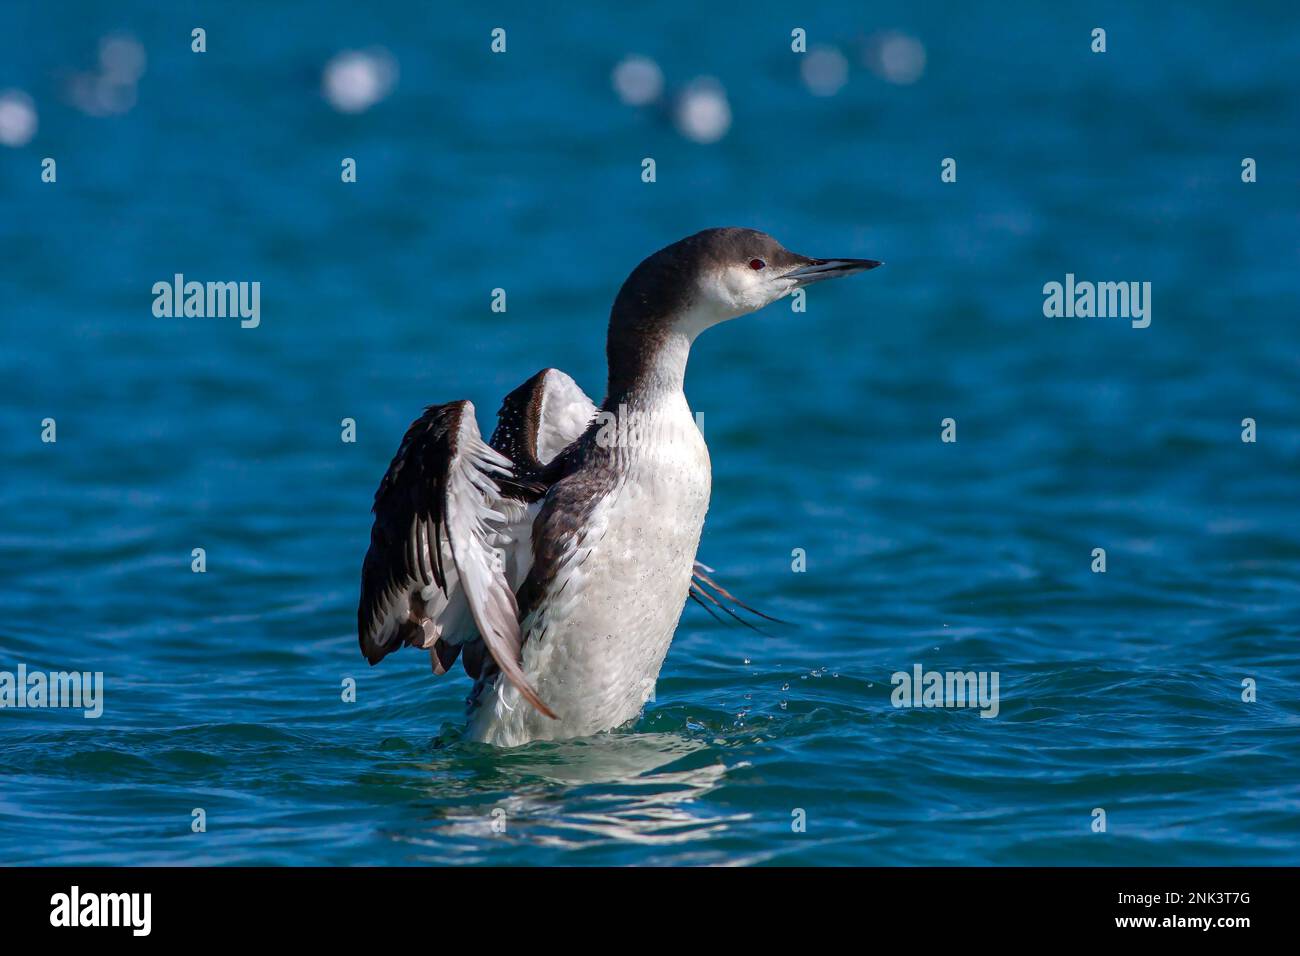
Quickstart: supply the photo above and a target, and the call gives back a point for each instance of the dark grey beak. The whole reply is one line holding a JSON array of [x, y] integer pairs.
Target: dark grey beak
[[818, 269]]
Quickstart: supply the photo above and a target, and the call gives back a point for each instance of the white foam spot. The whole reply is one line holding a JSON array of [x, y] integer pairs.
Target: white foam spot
[[703, 113], [121, 58], [355, 80], [896, 57], [17, 118], [638, 80], [825, 70], [96, 96], [110, 89]]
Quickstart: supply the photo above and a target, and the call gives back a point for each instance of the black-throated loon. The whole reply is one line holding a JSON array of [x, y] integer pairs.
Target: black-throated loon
[[556, 558]]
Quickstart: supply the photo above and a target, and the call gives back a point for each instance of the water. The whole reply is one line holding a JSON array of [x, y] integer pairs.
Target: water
[[1120, 691]]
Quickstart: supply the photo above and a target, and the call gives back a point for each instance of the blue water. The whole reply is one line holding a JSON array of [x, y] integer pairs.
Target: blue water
[[1119, 691]]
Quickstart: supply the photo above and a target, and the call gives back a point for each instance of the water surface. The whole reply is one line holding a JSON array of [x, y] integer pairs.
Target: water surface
[[1120, 691]]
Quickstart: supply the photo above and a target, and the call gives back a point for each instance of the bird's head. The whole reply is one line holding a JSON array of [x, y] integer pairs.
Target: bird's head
[[721, 274], [704, 279], [742, 270]]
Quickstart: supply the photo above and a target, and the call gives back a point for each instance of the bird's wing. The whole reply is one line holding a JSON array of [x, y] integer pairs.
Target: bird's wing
[[435, 572], [541, 418], [546, 414], [535, 423]]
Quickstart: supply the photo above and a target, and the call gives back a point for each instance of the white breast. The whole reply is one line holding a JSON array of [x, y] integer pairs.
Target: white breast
[[595, 644]]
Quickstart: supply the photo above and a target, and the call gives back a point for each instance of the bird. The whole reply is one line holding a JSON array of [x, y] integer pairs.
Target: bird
[[556, 558]]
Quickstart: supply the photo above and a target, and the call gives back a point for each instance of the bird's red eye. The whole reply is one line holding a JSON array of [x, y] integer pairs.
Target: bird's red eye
[[757, 264]]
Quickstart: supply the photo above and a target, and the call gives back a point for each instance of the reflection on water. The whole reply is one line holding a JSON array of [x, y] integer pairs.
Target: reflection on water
[[569, 795]]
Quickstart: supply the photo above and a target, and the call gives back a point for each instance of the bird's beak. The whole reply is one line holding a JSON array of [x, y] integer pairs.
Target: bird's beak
[[818, 269]]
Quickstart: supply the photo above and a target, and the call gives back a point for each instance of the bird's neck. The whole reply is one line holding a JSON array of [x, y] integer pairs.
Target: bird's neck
[[647, 365]]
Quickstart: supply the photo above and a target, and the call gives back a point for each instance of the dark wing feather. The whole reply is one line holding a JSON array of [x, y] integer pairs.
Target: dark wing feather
[[432, 556], [539, 419]]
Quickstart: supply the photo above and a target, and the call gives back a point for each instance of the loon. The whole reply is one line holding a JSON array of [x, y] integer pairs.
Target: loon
[[556, 558]]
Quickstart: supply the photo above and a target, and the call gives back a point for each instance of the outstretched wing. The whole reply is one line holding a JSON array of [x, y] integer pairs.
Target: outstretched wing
[[541, 418], [434, 576]]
